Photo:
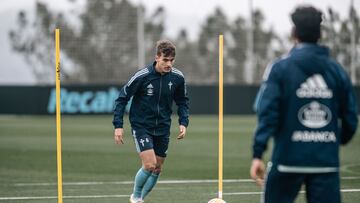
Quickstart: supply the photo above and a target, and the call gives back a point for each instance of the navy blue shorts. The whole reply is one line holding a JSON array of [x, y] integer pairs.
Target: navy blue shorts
[[281, 187], [145, 141]]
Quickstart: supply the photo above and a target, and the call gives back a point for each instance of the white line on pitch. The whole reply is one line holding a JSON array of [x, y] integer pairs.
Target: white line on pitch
[[131, 182], [258, 193], [121, 196], [350, 178], [160, 182], [65, 197]]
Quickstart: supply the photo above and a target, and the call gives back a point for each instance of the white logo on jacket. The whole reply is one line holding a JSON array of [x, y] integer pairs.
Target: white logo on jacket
[[150, 90], [314, 87], [314, 136], [314, 115]]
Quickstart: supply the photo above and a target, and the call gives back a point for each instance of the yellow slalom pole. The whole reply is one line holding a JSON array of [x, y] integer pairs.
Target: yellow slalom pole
[[221, 124], [58, 114], [219, 199]]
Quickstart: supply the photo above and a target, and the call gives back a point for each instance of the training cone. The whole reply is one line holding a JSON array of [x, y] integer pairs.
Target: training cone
[[216, 200]]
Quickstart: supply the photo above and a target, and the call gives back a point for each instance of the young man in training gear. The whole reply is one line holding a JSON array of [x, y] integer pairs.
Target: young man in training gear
[[307, 104], [153, 88]]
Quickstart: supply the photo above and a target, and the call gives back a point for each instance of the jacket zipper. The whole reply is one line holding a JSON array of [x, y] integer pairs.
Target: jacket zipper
[[158, 104]]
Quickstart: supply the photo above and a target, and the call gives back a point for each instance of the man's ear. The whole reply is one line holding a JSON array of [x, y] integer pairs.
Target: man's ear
[[157, 57]]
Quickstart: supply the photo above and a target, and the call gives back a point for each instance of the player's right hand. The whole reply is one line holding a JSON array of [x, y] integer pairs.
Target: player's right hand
[[118, 135], [257, 171]]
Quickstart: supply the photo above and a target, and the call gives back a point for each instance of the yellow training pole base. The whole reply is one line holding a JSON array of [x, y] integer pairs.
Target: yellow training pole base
[[216, 200]]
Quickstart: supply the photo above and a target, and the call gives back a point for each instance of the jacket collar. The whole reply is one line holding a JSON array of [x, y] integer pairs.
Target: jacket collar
[[310, 48], [153, 69]]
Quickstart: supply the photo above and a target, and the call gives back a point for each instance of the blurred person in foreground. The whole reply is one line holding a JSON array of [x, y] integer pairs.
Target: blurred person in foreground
[[307, 104], [154, 88]]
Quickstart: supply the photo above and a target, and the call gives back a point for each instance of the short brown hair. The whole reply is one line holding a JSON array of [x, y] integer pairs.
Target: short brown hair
[[165, 47]]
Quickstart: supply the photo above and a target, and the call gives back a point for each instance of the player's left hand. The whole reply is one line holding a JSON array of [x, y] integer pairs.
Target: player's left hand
[[182, 132]]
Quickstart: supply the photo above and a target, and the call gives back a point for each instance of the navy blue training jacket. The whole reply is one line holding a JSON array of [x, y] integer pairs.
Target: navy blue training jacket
[[153, 96], [307, 104]]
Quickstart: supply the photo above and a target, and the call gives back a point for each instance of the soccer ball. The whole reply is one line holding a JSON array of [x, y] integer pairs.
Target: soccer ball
[[216, 200]]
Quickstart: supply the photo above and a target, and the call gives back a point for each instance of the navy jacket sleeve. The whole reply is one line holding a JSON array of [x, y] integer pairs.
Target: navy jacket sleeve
[[182, 101], [267, 109], [120, 103], [348, 111]]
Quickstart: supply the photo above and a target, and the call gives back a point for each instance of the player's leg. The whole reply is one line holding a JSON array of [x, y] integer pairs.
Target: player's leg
[[281, 187], [152, 180], [144, 146], [324, 187], [161, 144]]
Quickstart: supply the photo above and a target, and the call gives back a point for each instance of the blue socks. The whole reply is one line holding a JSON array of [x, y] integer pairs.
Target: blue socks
[[140, 179], [150, 183], [144, 183]]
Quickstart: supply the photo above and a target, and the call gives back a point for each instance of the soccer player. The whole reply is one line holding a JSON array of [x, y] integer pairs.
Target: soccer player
[[307, 104], [154, 88]]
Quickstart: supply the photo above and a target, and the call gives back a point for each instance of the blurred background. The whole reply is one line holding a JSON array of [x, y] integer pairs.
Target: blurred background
[[103, 43]]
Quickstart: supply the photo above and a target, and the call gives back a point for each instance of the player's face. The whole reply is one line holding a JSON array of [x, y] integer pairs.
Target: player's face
[[164, 64]]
